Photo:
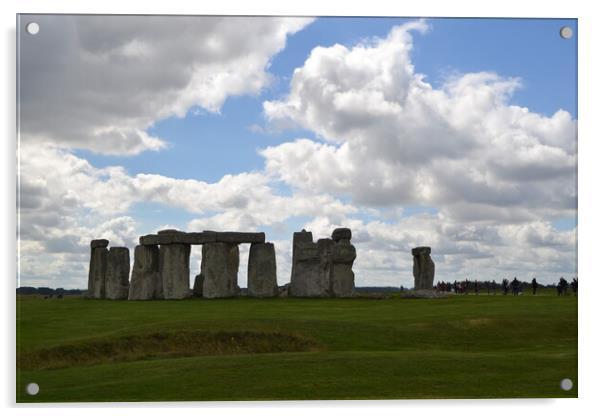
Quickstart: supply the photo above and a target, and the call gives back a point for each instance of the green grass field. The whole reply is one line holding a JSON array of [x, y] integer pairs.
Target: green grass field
[[293, 349]]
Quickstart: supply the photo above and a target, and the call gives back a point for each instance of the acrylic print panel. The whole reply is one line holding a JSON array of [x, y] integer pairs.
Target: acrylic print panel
[[287, 208]]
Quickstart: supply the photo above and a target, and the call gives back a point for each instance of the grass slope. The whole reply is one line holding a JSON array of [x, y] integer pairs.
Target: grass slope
[[461, 347]]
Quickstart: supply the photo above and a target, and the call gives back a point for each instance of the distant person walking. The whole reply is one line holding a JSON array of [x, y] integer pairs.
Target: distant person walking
[[505, 286], [534, 286]]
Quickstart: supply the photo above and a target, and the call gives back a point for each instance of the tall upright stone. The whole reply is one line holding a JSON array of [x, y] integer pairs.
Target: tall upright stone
[[424, 268], [174, 266], [299, 237], [308, 279], [98, 268], [118, 273], [146, 283], [261, 272], [343, 278], [219, 270]]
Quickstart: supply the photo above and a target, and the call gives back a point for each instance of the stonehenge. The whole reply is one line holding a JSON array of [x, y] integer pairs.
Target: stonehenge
[[161, 266], [424, 268]]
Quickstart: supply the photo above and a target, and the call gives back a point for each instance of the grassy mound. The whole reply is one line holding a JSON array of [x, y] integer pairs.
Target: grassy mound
[[164, 345]]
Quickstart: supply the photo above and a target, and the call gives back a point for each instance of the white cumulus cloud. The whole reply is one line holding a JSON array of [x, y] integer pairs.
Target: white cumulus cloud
[[99, 82]]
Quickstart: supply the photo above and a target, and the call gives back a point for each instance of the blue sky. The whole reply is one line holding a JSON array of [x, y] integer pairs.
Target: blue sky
[[231, 135]]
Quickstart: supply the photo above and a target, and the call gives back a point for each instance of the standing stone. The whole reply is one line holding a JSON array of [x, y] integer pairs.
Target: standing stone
[[197, 289], [219, 267], [98, 268], [174, 266], [300, 237], [424, 268], [118, 273], [343, 278], [146, 280], [261, 273], [308, 276]]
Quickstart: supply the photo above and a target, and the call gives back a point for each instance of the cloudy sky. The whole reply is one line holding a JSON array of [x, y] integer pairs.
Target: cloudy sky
[[460, 134]]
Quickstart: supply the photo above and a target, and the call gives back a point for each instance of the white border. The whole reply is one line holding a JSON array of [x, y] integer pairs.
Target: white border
[[590, 207]]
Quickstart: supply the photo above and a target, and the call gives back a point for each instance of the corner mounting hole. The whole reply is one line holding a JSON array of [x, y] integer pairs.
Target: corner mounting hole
[[566, 384], [566, 32], [32, 28], [32, 389]]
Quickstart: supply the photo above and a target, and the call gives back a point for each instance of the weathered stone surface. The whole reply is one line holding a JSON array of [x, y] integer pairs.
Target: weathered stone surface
[[424, 268], [197, 289], [240, 238], [102, 243], [308, 277], [219, 267], [262, 271], [343, 278], [97, 272], [325, 248], [178, 238], [118, 273], [146, 282], [341, 233], [299, 237], [201, 238], [174, 266]]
